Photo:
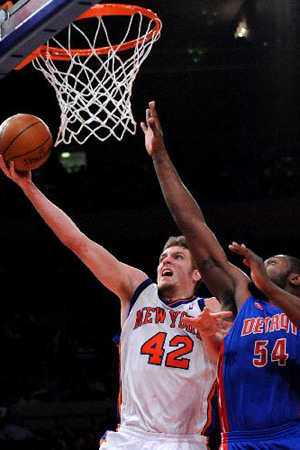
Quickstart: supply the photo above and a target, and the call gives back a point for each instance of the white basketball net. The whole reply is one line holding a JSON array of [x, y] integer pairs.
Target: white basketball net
[[94, 91]]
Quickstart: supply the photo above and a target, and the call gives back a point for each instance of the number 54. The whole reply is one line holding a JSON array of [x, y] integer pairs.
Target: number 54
[[278, 353]]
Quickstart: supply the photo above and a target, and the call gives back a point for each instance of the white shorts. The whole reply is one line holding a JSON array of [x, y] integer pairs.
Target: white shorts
[[128, 438]]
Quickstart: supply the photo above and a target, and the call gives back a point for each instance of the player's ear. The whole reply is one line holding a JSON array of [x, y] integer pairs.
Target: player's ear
[[196, 275], [294, 278]]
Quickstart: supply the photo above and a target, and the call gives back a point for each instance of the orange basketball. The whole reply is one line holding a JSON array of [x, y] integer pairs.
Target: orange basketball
[[26, 140]]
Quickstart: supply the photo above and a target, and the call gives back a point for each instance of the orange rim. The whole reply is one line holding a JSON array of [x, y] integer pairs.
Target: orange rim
[[7, 5], [99, 10]]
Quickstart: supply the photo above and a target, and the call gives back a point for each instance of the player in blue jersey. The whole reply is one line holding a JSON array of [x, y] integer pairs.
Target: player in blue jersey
[[259, 364]]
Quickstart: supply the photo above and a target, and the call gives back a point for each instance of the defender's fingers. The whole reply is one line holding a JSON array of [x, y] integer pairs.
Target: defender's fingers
[[225, 332], [154, 114], [246, 262], [152, 124], [235, 244], [240, 249], [221, 314], [188, 319], [147, 114], [149, 119], [235, 248], [226, 324], [152, 108], [252, 256], [143, 127]]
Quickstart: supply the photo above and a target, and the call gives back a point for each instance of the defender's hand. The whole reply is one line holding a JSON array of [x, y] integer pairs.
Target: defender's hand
[[210, 323], [255, 263], [152, 130]]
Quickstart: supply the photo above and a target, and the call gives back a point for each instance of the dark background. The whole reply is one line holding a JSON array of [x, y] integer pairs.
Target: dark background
[[229, 108]]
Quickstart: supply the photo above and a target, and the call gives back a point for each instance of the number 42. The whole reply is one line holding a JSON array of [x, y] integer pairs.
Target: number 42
[[155, 349]]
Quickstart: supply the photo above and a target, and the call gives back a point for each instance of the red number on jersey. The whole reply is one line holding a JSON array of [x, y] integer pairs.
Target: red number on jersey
[[262, 353], [154, 347], [172, 359], [279, 352]]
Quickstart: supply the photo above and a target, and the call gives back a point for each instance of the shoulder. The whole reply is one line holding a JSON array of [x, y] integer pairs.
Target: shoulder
[[143, 288], [213, 304]]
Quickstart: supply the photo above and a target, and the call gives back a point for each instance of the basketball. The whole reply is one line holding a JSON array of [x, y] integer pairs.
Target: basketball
[[26, 140]]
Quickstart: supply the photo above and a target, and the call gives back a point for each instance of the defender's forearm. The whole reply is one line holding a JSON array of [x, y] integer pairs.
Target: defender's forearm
[[289, 303], [180, 202]]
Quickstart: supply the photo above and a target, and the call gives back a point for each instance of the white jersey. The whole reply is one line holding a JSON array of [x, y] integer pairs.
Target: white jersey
[[166, 377]]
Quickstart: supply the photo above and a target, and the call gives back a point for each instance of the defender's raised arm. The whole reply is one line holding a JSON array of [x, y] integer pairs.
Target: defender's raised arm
[[223, 279]]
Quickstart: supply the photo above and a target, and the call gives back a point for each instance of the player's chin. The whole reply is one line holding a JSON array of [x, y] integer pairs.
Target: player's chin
[[165, 286]]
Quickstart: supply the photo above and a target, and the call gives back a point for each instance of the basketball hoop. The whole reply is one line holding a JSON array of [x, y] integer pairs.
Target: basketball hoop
[[93, 85], [6, 6]]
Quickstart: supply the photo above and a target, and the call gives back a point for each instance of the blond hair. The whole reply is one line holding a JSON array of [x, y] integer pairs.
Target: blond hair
[[181, 242]]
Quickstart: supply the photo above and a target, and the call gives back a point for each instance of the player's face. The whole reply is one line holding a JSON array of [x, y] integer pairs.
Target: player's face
[[175, 272], [278, 269]]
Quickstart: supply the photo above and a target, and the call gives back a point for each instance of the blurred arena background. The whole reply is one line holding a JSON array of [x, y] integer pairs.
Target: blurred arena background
[[225, 77]]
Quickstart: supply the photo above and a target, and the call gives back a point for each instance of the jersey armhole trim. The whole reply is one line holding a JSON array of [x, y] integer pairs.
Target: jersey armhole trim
[[138, 292], [201, 303]]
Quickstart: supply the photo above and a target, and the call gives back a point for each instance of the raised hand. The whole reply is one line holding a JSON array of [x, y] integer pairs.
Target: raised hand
[[255, 263], [209, 323], [19, 178], [152, 129]]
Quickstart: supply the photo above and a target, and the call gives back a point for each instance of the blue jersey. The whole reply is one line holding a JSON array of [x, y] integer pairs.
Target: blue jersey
[[259, 370]]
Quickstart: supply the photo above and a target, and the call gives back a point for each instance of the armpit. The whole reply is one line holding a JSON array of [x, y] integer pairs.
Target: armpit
[[207, 265], [228, 302]]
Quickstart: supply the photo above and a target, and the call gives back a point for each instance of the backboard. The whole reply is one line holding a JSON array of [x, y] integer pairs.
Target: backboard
[[30, 23]]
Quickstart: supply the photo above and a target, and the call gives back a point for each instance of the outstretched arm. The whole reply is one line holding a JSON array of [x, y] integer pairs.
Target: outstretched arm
[[120, 278], [225, 281], [289, 303]]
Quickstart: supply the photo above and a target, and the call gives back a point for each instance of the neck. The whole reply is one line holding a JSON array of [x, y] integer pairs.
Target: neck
[[173, 293], [255, 292], [174, 299], [261, 296]]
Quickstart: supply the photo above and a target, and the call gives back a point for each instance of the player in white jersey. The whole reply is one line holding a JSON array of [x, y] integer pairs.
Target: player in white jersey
[[174, 384], [165, 371]]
